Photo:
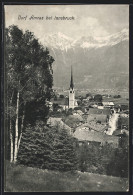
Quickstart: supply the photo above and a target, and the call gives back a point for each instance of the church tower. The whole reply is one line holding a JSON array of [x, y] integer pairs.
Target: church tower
[[71, 92]]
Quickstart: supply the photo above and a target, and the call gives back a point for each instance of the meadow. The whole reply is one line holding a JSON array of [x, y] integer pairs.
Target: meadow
[[20, 178]]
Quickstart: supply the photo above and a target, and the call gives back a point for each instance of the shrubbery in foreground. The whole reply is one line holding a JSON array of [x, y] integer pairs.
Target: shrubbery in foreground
[[47, 148]]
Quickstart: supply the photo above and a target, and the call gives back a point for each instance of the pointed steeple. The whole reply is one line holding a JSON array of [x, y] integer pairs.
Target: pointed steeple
[[71, 82]]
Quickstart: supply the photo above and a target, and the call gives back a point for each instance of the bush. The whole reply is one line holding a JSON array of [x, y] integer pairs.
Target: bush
[[117, 96], [118, 165]]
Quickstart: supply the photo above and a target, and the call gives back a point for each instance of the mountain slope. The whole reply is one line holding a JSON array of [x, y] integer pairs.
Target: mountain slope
[[97, 62]]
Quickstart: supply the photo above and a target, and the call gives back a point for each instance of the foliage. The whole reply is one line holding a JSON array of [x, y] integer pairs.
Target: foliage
[[47, 148], [117, 96], [118, 165], [98, 98], [90, 96], [35, 110], [104, 159], [78, 108], [29, 80], [61, 96], [123, 122], [124, 107], [95, 157], [55, 107], [69, 112]]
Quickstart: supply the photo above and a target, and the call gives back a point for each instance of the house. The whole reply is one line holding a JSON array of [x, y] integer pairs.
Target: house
[[108, 104], [121, 132], [100, 107], [95, 137], [58, 123], [92, 125], [105, 111], [100, 115], [73, 120], [78, 112], [98, 118]]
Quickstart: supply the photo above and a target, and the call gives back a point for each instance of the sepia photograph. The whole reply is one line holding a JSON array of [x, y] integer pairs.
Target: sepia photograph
[[66, 98]]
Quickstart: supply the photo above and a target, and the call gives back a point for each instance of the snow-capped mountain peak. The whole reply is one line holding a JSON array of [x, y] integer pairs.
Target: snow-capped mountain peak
[[109, 40], [63, 42], [57, 40]]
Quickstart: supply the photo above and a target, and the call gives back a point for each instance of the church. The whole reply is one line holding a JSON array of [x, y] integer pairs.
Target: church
[[72, 102], [69, 102]]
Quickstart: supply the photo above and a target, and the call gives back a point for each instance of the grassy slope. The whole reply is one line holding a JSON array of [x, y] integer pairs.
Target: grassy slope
[[26, 179]]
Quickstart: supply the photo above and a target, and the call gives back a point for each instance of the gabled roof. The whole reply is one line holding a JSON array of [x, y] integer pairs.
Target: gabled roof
[[73, 120], [97, 117], [53, 121], [86, 135], [96, 126], [99, 111]]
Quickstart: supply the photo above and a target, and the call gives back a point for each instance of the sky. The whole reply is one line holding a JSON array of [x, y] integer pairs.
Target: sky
[[96, 20]]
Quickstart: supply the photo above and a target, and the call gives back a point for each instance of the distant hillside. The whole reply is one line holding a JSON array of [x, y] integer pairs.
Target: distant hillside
[[27, 179], [97, 62]]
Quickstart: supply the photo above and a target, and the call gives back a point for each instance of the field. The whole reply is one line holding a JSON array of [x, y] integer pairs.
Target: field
[[26, 179]]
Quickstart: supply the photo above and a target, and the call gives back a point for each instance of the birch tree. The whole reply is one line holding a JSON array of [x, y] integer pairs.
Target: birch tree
[[28, 68]]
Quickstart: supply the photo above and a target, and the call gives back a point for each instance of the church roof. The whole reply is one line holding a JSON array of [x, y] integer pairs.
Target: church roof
[[71, 82]]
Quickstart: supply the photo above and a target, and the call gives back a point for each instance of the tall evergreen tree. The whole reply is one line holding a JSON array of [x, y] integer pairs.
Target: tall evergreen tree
[[48, 148]]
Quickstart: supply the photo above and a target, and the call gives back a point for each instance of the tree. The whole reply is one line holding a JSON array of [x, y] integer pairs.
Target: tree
[[47, 148], [98, 98], [94, 158], [55, 107], [28, 81], [118, 165], [90, 96], [61, 96], [83, 157], [117, 96]]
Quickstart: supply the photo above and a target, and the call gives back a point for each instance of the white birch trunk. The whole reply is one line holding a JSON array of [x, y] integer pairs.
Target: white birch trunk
[[11, 134], [16, 130], [19, 140], [11, 143], [22, 125]]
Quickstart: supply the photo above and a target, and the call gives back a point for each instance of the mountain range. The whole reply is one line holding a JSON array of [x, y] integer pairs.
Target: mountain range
[[98, 62]]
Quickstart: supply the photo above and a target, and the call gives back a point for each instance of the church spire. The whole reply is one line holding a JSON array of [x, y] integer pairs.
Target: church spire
[[71, 82]]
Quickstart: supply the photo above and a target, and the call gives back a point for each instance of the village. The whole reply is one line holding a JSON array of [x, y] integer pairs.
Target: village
[[65, 101], [98, 119]]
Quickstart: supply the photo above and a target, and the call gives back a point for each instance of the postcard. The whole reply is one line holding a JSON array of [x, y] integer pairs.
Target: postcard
[[66, 98]]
